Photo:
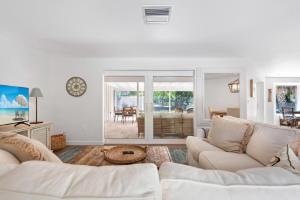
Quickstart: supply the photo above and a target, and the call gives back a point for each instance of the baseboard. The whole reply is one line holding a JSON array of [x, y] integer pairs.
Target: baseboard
[[86, 142]]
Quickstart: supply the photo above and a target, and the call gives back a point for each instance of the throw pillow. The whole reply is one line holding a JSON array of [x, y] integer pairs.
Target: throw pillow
[[227, 134], [24, 149], [267, 140], [248, 133], [288, 158], [295, 146], [6, 134]]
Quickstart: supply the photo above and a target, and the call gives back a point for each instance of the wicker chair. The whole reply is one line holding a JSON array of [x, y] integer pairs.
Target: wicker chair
[[164, 124]]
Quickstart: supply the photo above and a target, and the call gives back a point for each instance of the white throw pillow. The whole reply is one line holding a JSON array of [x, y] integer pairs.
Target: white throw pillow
[[287, 158], [227, 134]]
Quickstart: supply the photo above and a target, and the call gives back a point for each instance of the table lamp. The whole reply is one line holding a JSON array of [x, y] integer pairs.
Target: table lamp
[[36, 92]]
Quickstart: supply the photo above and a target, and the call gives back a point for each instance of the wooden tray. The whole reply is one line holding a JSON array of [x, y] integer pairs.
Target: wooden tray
[[125, 154]]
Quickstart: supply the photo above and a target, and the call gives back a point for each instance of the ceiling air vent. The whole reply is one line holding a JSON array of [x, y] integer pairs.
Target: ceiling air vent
[[156, 14]]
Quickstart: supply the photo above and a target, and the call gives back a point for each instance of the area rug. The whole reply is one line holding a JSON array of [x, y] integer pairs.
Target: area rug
[[94, 156]]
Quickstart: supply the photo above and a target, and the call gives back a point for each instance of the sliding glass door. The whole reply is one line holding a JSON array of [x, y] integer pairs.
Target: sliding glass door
[[148, 106], [173, 105], [123, 103]]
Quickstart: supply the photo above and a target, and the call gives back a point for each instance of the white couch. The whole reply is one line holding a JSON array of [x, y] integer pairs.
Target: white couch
[[41, 180], [265, 142], [180, 182]]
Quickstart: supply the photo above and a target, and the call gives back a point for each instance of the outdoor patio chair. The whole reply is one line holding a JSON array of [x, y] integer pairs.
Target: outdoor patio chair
[[117, 113], [127, 112]]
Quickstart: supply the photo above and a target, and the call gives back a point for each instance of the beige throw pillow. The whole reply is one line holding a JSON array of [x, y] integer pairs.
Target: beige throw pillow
[[288, 158], [227, 134], [24, 149], [6, 134], [248, 133], [267, 140]]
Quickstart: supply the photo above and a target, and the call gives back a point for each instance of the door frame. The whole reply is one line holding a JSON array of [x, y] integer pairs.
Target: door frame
[[148, 97]]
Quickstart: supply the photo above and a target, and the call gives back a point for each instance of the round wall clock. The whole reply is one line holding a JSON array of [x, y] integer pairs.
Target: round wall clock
[[76, 86]]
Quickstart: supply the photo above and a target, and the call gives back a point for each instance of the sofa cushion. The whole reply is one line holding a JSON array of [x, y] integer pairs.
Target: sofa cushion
[[227, 134], [267, 140], [5, 168], [196, 145], [184, 182], [249, 131], [7, 158], [226, 161], [65, 181], [24, 149], [268, 176], [192, 190]]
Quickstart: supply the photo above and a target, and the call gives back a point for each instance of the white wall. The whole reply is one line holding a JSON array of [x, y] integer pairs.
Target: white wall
[[81, 118], [284, 66], [22, 66], [218, 95]]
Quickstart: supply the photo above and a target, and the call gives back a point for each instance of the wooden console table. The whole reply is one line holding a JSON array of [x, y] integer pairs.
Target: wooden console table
[[40, 132]]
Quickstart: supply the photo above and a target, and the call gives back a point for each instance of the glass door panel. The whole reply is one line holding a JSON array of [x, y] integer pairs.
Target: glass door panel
[[124, 107], [173, 107]]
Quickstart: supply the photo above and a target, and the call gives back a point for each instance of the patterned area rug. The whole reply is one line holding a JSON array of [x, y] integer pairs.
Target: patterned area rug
[[93, 155]]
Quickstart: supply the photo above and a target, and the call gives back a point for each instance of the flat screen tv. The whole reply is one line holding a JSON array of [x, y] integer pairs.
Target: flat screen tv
[[14, 104]]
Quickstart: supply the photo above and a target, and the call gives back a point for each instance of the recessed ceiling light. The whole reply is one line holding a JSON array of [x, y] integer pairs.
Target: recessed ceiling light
[[156, 14]]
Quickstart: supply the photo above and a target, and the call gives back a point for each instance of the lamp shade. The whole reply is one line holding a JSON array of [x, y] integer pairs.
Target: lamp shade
[[36, 92]]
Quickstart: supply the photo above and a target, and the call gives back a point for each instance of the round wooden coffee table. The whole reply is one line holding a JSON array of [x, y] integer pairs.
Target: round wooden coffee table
[[125, 154]]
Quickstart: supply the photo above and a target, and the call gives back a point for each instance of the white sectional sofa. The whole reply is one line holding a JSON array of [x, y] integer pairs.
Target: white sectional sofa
[[41, 180], [266, 141], [246, 176]]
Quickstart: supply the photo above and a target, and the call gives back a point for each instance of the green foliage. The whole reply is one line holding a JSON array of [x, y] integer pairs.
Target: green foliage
[[178, 98]]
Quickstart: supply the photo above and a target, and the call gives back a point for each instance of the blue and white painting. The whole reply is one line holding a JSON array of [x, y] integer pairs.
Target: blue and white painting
[[14, 104]]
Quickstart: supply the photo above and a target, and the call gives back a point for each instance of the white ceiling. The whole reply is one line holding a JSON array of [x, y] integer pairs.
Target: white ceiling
[[255, 29]]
